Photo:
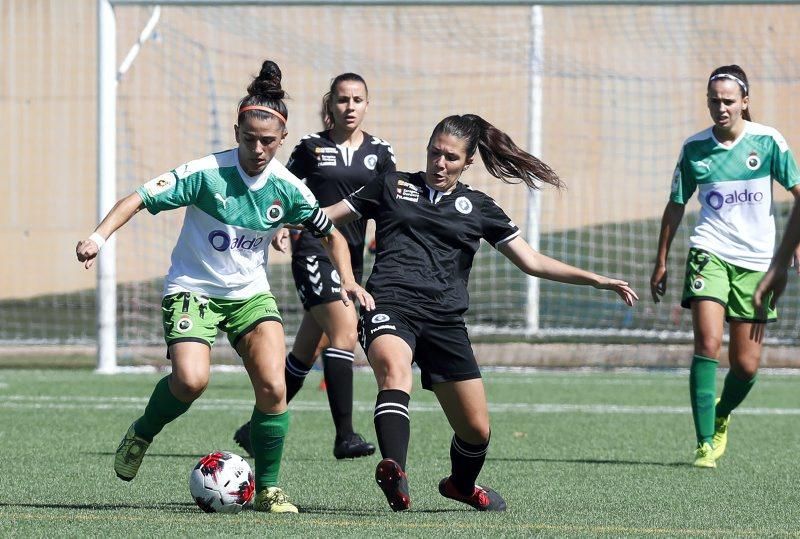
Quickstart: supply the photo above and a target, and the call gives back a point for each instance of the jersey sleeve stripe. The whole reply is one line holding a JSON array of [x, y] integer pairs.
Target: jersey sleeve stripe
[[352, 208], [508, 238], [318, 224]]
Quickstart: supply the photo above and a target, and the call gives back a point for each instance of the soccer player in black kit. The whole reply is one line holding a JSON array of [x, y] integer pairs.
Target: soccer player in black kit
[[428, 229], [333, 163]]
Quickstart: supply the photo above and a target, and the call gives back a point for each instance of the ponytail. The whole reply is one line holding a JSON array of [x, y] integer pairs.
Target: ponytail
[[502, 158]]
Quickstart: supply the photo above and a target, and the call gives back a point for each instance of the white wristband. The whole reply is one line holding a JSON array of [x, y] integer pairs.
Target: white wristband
[[98, 239]]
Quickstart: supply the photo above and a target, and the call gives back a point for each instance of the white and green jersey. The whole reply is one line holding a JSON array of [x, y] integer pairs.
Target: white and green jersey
[[230, 219], [736, 221]]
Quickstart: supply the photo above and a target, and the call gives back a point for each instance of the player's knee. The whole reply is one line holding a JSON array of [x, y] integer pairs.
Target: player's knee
[[477, 432], [345, 340], [270, 391], [188, 389], [708, 346]]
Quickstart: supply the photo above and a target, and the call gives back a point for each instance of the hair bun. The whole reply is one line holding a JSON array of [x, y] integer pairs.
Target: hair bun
[[268, 82]]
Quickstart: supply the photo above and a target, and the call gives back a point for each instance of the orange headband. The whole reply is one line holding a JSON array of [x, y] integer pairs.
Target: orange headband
[[265, 109]]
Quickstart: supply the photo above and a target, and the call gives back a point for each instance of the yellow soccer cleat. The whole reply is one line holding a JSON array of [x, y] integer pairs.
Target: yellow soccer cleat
[[273, 500], [704, 456], [721, 434], [130, 454]]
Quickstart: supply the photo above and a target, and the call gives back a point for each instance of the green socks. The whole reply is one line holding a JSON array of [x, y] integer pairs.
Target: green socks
[[162, 408], [267, 433], [733, 393], [703, 393]]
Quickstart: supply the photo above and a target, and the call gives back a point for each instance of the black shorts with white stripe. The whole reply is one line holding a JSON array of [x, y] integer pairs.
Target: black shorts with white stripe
[[316, 280], [441, 349]]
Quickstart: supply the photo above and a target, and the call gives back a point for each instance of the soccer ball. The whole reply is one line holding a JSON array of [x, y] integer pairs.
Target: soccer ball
[[222, 483]]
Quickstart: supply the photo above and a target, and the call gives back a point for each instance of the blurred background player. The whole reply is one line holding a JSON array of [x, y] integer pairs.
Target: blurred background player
[[732, 165], [235, 202], [333, 163], [429, 227]]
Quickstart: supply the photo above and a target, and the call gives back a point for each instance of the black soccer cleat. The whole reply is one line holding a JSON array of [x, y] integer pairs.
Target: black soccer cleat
[[352, 446], [394, 484], [482, 498], [242, 437]]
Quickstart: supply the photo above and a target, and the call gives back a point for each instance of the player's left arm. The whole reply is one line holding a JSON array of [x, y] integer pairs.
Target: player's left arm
[[536, 264]]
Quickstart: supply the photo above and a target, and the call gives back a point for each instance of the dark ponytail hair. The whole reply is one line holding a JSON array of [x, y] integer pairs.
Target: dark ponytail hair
[[327, 99], [501, 156], [736, 74], [265, 91]]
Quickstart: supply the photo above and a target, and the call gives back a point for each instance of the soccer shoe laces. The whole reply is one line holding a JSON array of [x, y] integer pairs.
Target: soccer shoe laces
[[277, 497], [481, 496], [134, 448]]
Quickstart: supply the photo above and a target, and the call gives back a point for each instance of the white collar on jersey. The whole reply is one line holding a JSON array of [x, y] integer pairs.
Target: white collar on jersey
[[435, 196], [254, 183]]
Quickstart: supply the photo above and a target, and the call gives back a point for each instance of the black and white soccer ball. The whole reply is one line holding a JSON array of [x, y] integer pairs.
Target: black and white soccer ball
[[222, 482]]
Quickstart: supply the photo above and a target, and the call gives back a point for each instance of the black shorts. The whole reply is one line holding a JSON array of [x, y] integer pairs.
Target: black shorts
[[316, 280], [441, 349]]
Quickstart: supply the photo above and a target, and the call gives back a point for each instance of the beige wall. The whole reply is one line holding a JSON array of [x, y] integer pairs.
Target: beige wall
[[622, 89]]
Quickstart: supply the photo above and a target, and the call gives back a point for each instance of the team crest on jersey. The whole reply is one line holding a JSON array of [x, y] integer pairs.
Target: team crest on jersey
[[184, 324], [370, 161], [380, 318], [274, 212], [753, 161], [407, 191], [158, 185], [463, 205], [698, 284]]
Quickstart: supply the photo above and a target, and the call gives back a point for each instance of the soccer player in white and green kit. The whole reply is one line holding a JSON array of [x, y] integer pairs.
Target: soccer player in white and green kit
[[235, 201], [731, 165]]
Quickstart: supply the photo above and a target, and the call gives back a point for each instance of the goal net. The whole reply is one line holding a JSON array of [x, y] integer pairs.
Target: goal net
[[617, 90]]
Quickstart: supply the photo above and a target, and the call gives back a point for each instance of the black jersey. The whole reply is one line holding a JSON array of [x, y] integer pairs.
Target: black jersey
[[331, 173], [426, 241]]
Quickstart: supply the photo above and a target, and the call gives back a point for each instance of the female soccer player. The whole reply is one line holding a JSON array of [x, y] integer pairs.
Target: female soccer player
[[732, 164], [235, 201], [428, 229], [333, 163]]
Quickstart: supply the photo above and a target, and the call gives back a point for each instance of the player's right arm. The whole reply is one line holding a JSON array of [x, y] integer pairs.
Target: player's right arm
[[683, 185], [121, 213], [673, 214]]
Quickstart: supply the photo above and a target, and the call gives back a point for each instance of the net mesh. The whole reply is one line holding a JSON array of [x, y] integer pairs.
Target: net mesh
[[623, 86]]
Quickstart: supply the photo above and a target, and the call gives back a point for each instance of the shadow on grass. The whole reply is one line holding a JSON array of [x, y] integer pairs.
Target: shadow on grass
[[183, 507], [598, 461], [149, 455], [328, 510]]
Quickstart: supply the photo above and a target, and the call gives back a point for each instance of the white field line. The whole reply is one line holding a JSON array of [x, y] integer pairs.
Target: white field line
[[110, 403]]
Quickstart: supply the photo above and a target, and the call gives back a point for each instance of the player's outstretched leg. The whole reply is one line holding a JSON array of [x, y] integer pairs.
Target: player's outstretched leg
[[394, 484], [162, 408], [130, 454], [481, 498]]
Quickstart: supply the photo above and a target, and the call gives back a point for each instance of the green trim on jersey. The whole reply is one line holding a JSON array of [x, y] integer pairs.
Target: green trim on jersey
[[734, 188], [216, 186], [760, 152]]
